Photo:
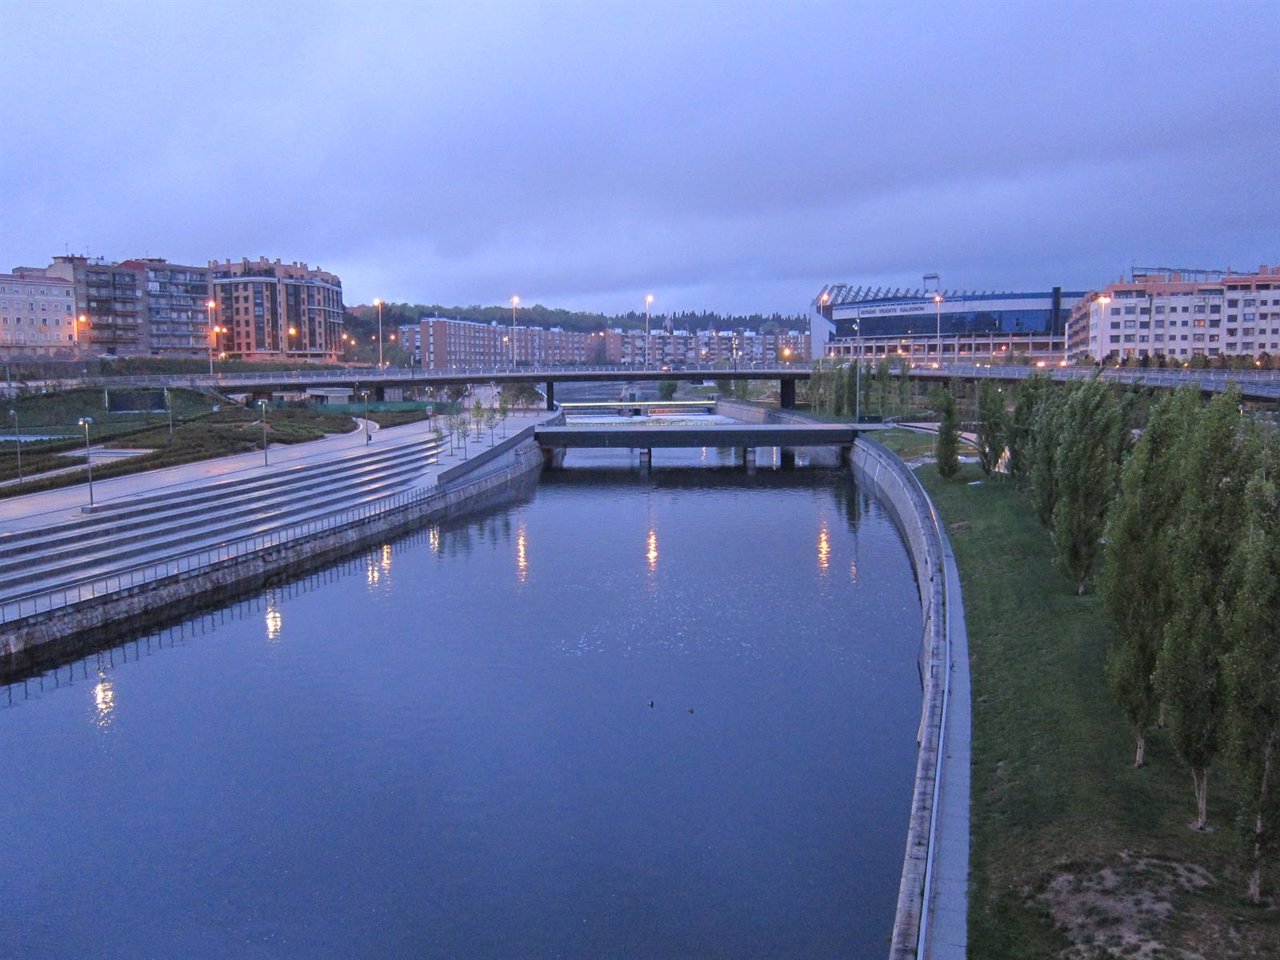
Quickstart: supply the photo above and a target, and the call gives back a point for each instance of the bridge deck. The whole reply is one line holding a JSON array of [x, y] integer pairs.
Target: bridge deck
[[718, 435]]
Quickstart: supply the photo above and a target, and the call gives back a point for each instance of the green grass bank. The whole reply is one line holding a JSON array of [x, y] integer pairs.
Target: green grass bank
[[1074, 852]]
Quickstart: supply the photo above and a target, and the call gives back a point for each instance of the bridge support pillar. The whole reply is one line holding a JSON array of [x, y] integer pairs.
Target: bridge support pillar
[[787, 396], [551, 394], [379, 394], [749, 459], [788, 458]]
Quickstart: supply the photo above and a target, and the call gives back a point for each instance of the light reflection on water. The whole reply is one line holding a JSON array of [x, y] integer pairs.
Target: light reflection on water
[[462, 760]]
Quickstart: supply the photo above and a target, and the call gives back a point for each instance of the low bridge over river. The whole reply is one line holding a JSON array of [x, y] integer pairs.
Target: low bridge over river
[[747, 437]]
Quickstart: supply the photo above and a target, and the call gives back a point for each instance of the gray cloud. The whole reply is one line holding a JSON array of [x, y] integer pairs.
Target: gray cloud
[[726, 156]]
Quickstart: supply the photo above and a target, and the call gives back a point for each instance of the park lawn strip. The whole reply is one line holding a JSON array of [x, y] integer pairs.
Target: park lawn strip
[[1056, 802]]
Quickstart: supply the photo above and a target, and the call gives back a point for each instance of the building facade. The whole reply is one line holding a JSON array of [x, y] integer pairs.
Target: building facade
[[1179, 314], [269, 310], [177, 320], [935, 325], [38, 318], [457, 344]]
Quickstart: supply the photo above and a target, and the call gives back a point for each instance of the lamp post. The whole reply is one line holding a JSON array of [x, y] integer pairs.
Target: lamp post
[[88, 457], [378, 304], [648, 302], [367, 438], [937, 304], [208, 306], [17, 442], [515, 302], [168, 406], [1103, 300], [857, 372], [262, 405]]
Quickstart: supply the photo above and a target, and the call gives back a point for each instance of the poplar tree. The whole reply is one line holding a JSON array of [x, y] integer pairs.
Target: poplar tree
[[1214, 462], [1031, 394], [1087, 467], [1137, 581], [1046, 434], [947, 450], [991, 427], [1252, 676], [851, 389], [839, 377]]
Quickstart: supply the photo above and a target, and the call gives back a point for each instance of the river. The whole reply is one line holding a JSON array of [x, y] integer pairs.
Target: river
[[632, 715]]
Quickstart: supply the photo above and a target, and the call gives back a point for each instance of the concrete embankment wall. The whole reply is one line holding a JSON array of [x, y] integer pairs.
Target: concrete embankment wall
[[931, 915], [475, 484]]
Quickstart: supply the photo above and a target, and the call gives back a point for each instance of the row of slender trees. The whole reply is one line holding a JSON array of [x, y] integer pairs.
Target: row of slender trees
[[1180, 530], [833, 389]]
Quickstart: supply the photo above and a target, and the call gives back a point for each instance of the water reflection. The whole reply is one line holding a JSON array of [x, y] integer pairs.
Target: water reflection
[[104, 700], [824, 547], [274, 619], [522, 556], [652, 553]]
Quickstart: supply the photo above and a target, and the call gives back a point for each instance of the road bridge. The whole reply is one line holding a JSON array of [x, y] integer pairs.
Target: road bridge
[[747, 437]]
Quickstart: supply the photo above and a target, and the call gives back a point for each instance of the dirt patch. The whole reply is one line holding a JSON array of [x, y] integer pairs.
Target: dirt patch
[[1122, 909], [958, 526]]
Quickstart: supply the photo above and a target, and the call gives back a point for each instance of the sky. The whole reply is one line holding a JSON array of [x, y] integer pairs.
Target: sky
[[727, 156]]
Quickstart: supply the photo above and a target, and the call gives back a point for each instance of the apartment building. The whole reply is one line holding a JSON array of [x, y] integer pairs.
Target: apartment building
[[1179, 314], [270, 310], [678, 348], [37, 316], [446, 344]]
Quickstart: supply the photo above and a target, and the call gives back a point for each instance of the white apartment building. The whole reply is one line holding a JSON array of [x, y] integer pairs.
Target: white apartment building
[[1179, 314], [37, 316]]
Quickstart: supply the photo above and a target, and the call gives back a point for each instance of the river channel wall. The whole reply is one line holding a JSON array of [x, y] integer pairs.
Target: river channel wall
[[506, 469], [931, 916]]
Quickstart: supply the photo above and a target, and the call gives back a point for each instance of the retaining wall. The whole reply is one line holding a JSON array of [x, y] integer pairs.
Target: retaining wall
[[48, 635], [931, 915]]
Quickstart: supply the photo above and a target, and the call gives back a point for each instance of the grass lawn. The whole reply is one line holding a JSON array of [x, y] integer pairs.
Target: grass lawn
[[1071, 844], [200, 432]]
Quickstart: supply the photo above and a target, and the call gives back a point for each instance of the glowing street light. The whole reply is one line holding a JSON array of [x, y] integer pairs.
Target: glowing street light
[[378, 304], [648, 302], [1103, 300], [208, 306], [86, 422], [515, 302], [937, 303]]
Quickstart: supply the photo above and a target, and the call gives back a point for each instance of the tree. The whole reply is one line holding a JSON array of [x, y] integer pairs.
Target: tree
[[991, 427], [1086, 468], [1019, 428], [1137, 582], [947, 450], [491, 421], [1214, 462], [477, 415], [1251, 674], [1046, 433], [667, 389]]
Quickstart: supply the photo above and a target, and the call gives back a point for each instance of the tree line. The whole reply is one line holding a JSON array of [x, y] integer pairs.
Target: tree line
[[1177, 525], [844, 389]]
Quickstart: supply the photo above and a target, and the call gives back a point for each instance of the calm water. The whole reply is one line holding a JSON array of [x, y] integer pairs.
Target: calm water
[[447, 748]]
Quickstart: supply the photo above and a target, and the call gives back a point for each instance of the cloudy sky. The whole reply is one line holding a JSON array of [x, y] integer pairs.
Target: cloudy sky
[[731, 155]]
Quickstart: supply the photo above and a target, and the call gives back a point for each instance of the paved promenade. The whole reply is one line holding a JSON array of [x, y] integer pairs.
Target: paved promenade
[[36, 510]]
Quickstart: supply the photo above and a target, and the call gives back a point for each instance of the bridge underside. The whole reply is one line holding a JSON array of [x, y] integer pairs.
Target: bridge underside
[[722, 435]]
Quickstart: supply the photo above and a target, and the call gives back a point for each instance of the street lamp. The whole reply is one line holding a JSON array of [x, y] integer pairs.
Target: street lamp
[[857, 372], [648, 302], [515, 302], [937, 303], [378, 304], [1103, 300], [88, 457], [367, 438], [208, 306], [168, 406], [262, 405], [17, 442]]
